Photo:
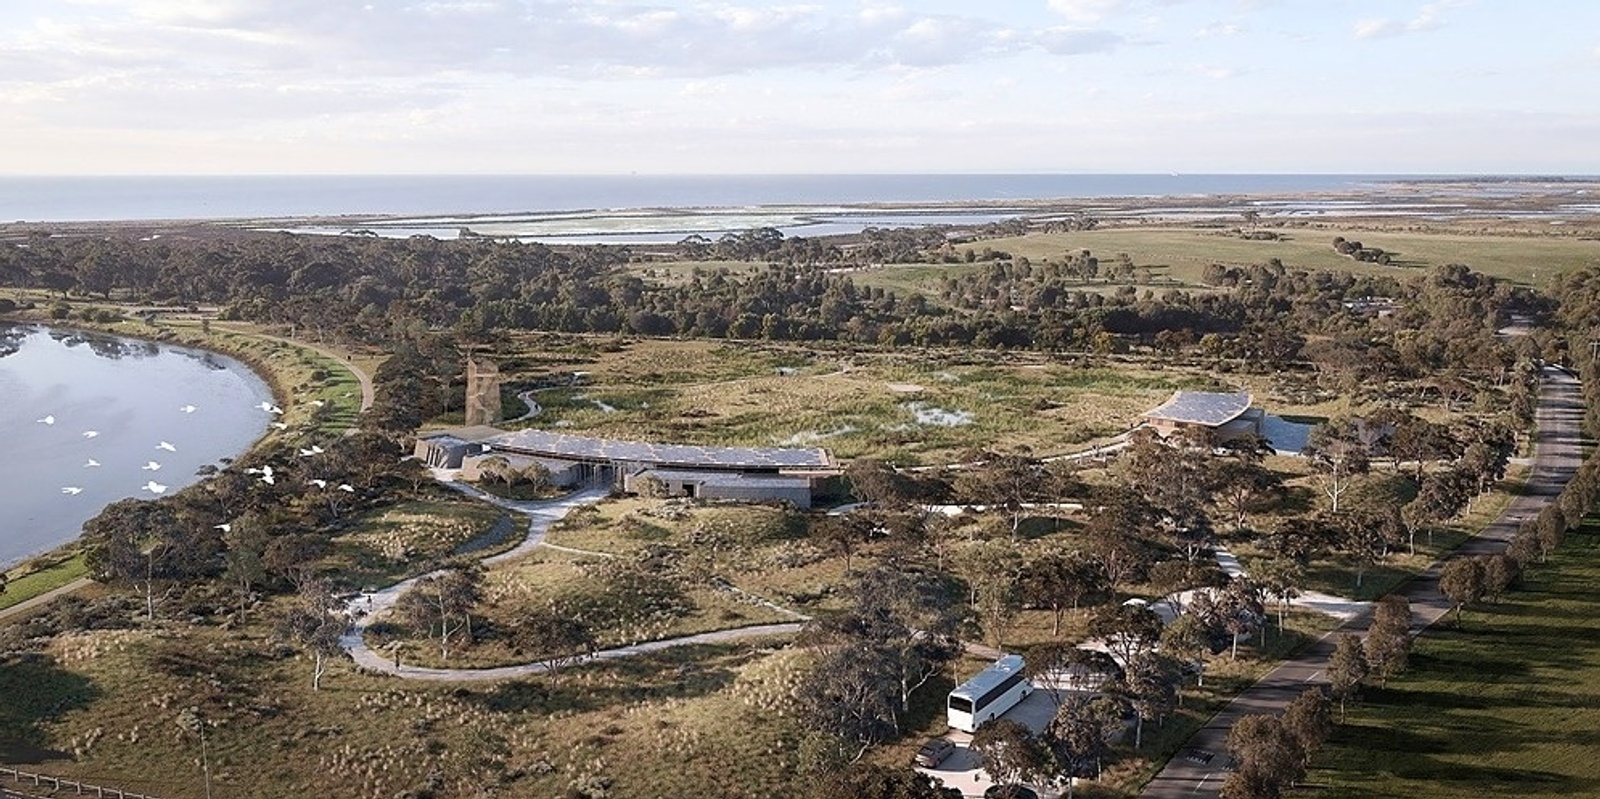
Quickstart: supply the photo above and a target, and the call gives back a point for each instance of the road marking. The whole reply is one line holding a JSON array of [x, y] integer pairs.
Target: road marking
[[1201, 783], [1314, 676]]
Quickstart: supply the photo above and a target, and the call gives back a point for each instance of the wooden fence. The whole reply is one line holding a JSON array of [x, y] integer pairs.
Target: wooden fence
[[61, 787]]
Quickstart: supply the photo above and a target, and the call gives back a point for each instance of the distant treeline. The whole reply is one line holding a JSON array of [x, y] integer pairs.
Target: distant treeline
[[371, 290]]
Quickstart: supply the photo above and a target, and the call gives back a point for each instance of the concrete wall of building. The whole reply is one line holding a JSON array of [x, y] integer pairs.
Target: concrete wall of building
[[799, 496]]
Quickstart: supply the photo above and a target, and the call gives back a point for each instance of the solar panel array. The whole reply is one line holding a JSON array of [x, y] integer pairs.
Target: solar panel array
[[1202, 407], [563, 445]]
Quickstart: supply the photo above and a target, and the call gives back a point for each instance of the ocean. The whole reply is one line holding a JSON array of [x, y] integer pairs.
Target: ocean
[[63, 199]]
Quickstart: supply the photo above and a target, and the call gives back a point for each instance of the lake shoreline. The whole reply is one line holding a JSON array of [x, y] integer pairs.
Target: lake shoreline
[[267, 374]]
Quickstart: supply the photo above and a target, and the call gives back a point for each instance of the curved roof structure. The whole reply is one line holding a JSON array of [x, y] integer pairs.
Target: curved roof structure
[[583, 448], [1208, 408]]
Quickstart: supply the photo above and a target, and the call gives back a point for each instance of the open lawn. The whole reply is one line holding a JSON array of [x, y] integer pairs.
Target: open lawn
[[41, 575], [1505, 704]]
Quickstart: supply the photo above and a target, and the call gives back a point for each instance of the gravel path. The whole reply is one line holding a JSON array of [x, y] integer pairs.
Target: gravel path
[[367, 608]]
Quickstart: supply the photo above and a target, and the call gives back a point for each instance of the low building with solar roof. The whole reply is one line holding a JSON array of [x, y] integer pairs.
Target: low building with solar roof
[[744, 474], [1225, 415]]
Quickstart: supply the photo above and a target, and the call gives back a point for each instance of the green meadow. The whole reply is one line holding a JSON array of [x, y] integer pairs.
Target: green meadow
[[1505, 704]]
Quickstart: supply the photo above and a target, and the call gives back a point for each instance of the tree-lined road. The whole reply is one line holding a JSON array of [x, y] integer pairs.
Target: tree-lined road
[[1556, 458]]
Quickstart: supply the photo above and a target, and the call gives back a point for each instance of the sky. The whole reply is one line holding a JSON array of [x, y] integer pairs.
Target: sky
[[821, 86]]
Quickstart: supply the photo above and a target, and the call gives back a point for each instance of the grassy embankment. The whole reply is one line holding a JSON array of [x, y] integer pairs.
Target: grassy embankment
[[1505, 704]]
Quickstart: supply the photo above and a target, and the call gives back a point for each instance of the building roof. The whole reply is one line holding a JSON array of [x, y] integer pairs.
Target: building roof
[[1208, 408], [998, 672], [468, 435], [726, 479], [583, 448]]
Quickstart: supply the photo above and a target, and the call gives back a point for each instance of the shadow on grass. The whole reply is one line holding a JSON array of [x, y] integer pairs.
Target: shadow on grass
[[34, 691]]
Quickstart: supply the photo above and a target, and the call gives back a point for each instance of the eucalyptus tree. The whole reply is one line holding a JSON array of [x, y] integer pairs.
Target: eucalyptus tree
[[315, 622]]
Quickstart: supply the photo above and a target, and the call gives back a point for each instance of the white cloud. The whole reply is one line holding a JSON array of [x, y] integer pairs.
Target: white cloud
[[1086, 10], [1219, 29], [1077, 41], [1376, 27], [1428, 17], [513, 37]]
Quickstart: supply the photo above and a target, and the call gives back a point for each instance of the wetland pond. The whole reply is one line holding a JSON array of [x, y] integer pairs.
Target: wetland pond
[[89, 419]]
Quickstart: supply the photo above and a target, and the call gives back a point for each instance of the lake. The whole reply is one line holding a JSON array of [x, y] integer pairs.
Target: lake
[[90, 419]]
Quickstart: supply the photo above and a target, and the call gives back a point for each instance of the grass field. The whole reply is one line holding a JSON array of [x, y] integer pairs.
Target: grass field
[[910, 408], [399, 541], [1177, 256], [1506, 704], [104, 707], [39, 576]]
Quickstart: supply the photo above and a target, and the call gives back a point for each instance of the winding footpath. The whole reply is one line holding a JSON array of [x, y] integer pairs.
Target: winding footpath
[[1198, 770], [367, 608]]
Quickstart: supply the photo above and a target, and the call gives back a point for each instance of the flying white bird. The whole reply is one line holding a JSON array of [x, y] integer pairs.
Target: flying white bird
[[48, 420], [224, 527], [347, 488], [188, 409], [154, 487], [70, 489], [266, 474], [318, 483], [266, 406], [151, 466], [90, 433], [315, 450], [168, 447], [91, 464]]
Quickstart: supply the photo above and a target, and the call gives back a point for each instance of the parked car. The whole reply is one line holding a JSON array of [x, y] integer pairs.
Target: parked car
[[934, 752]]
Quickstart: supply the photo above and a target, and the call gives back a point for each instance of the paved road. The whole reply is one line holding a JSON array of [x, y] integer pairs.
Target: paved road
[[1556, 457]]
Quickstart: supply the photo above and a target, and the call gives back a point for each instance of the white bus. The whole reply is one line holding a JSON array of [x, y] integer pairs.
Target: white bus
[[991, 693]]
